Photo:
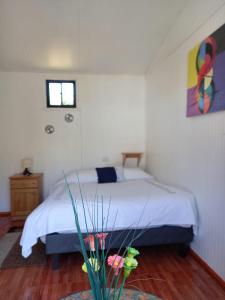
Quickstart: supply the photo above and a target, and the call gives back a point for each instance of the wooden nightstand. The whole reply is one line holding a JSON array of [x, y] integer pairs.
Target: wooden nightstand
[[26, 194]]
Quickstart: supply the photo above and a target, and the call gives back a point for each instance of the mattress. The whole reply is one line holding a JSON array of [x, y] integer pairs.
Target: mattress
[[122, 205]]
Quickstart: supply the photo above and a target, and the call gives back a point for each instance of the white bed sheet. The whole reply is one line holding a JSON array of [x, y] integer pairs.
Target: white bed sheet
[[134, 203]]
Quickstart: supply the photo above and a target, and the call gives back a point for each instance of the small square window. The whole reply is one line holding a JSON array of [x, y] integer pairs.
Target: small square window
[[61, 93]]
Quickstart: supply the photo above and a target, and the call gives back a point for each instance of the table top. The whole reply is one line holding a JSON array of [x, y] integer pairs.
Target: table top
[[127, 294], [21, 176], [137, 155]]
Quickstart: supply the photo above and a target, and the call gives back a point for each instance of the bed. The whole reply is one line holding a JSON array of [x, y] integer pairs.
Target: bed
[[136, 202]]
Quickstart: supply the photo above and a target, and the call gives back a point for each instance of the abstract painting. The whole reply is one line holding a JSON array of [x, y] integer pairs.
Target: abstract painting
[[206, 75]]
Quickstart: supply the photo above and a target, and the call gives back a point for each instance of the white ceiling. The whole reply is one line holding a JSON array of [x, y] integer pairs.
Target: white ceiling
[[90, 36]]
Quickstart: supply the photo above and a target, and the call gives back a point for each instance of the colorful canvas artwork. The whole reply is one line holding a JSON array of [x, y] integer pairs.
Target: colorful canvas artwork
[[206, 75]]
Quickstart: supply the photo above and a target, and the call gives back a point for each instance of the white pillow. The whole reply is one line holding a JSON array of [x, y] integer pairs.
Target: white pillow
[[135, 173], [90, 175], [119, 173], [85, 176]]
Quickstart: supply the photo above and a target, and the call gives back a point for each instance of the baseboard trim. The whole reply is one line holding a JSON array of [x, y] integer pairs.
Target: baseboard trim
[[5, 214], [207, 268]]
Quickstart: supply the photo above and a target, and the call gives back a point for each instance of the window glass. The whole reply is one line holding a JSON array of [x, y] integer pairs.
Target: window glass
[[67, 93], [55, 93]]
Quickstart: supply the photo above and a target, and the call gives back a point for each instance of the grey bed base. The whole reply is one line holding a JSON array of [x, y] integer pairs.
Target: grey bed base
[[58, 243]]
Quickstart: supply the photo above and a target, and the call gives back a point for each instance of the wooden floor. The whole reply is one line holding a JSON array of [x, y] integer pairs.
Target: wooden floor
[[160, 272], [5, 225]]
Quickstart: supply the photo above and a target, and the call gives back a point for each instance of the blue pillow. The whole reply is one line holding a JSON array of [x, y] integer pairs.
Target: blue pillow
[[106, 174]]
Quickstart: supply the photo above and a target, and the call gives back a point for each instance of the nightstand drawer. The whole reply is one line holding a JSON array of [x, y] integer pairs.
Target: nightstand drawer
[[24, 201], [20, 184]]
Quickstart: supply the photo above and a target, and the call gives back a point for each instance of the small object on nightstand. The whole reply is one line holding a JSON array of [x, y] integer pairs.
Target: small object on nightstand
[[26, 164], [137, 155], [26, 172], [26, 194]]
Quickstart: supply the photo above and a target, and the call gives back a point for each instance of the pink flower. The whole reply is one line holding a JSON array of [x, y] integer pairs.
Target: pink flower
[[116, 262], [91, 240], [101, 237]]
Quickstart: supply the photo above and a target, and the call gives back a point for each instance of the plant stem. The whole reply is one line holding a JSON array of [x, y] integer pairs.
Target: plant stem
[[121, 287], [104, 275], [115, 287]]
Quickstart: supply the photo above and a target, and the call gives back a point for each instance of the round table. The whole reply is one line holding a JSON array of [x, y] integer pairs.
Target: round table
[[126, 295]]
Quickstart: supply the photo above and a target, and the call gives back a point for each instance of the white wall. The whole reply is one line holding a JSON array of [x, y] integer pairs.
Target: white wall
[[189, 152], [110, 119]]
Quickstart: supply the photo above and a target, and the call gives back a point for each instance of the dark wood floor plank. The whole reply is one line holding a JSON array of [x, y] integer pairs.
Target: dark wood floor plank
[[160, 272]]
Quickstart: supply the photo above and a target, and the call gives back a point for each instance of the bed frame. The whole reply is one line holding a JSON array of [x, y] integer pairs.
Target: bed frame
[[59, 243]]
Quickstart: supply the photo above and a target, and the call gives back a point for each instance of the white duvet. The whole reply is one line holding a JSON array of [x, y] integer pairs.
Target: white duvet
[[134, 203]]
